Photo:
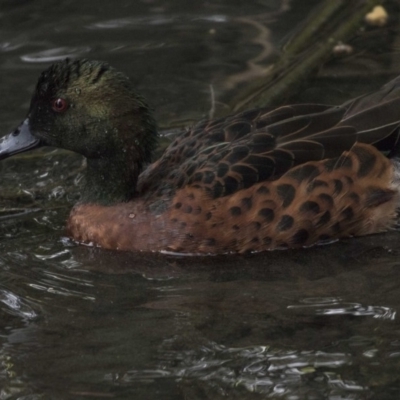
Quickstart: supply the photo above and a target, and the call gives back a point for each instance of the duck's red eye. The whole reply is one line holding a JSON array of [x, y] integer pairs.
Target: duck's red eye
[[59, 105]]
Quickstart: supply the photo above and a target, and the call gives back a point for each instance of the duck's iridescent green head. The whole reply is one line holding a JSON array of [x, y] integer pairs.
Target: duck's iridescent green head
[[85, 106], [90, 108]]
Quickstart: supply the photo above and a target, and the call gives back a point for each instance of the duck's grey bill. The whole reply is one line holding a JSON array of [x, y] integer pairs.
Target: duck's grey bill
[[18, 141]]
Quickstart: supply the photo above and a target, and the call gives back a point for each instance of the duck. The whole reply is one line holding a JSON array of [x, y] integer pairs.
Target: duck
[[263, 179]]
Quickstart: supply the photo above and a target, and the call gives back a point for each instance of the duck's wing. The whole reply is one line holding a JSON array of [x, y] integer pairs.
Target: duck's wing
[[226, 155], [375, 116], [234, 128], [208, 138]]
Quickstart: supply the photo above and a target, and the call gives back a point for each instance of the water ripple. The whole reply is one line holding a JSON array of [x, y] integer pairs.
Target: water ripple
[[335, 306], [127, 22], [56, 54], [257, 369], [16, 305], [10, 46], [154, 20]]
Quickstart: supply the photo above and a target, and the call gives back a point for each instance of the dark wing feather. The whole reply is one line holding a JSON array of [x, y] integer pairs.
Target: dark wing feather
[[376, 117], [225, 155]]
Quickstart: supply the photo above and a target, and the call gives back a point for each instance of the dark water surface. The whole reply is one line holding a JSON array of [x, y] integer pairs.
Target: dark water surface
[[78, 322]]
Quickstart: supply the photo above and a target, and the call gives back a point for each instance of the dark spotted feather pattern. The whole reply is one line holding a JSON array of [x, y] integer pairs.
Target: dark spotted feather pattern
[[226, 155], [317, 201]]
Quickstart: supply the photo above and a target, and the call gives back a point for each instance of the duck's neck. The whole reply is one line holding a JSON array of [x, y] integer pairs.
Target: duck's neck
[[112, 177], [110, 180]]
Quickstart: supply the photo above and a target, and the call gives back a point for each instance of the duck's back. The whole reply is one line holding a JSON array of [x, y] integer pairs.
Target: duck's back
[[226, 155]]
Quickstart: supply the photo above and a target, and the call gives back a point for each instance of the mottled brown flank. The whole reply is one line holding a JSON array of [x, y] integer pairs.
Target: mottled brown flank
[[267, 214], [323, 219], [348, 213], [315, 184], [338, 186], [300, 237], [263, 190], [286, 193], [327, 199], [310, 206], [285, 223], [355, 198], [235, 211], [247, 203], [187, 209], [305, 172], [254, 219]]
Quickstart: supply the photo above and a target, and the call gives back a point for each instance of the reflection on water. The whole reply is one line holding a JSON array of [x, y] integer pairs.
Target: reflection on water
[[78, 322], [255, 369], [333, 306], [57, 54]]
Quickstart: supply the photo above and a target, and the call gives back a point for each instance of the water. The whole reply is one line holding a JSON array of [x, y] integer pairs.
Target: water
[[78, 322]]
